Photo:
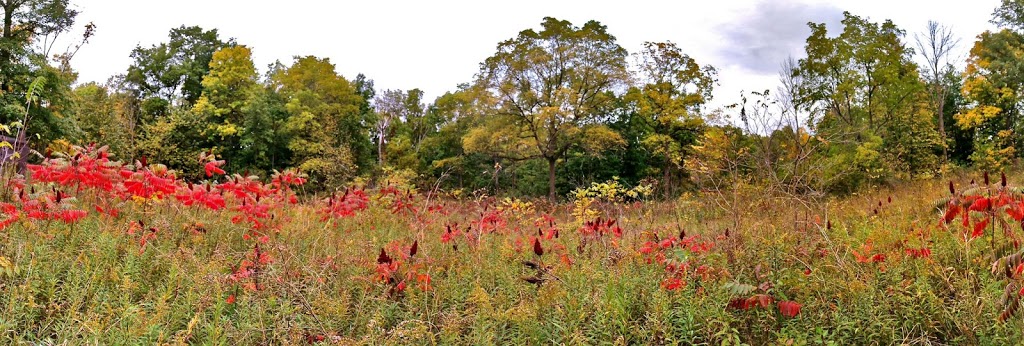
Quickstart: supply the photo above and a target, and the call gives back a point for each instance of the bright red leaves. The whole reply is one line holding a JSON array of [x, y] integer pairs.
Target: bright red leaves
[[789, 308]]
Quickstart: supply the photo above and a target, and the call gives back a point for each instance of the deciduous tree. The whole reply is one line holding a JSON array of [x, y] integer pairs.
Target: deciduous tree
[[552, 87]]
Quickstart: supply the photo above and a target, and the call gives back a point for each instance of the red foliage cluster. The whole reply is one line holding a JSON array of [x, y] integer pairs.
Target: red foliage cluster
[[250, 268], [981, 209], [388, 270], [346, 205], [599, 227], [752, 302], [490, 221], [919, 253], [401, 203], [10, 214], [787, 308], [201, 195], [677, 272], [84, 167], [91, 168], [451, 233], [865, 254]]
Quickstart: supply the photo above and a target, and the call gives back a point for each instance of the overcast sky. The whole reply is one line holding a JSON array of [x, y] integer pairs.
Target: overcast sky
[[435, 45]]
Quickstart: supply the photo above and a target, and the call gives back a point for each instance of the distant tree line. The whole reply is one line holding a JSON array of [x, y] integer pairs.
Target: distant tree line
[[550, 110]]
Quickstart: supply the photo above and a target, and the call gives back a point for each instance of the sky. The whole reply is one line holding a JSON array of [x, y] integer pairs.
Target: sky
[[436, 45]]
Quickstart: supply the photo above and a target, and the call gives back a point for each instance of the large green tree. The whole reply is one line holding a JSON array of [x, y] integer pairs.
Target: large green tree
[[325, 120], [227, 91], [98, 118], [870, 102], [26, 26], [663, 112], [553, 88], [173, 71]]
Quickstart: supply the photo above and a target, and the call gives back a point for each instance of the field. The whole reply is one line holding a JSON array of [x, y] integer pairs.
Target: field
[[95, 252]]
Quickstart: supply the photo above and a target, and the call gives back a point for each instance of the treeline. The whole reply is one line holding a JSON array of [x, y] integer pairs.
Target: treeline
[[552, 109]]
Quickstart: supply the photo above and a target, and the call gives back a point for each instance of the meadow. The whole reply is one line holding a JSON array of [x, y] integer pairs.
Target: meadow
[[95, 251]]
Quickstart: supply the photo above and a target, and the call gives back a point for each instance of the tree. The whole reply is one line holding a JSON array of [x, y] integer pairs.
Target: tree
[[867, 93], [97, 118], [23, 22], [175, 69], [389, 107], [227, 90], [325, 121], [23, 62], [993, 85], [363, 150], [402, 124], [665, 109], [444, 159], [552, 88], [935, 46], [993, 88], [263, 142], [1009, 14]]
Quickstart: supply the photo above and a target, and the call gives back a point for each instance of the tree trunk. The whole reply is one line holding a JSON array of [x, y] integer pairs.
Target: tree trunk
[[551, 179], [942, 121], [380, 150], [5, 50]]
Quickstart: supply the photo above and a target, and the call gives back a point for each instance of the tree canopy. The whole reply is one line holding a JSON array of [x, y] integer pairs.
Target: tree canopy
[[552, 108]]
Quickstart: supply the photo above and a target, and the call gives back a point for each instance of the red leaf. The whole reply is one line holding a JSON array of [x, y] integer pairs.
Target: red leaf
[[981, 204], [979, 228], [760, 300], [213, 167], [739, 304], [951, 212], [415, 247], [1016, 211], [789, 308]]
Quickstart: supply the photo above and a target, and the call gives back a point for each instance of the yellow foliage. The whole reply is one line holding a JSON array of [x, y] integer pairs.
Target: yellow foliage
[[976, 116], [516, 206], [225, 130]]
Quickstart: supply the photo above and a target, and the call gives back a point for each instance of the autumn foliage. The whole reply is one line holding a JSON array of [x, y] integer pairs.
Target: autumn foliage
[[244, 243]]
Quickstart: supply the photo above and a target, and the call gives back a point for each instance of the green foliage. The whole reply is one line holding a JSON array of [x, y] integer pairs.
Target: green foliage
[[176, 140], [98, 120], [175, 69], [325, 121], [227, 91], [864, 85], [550, 86], [560, 100]]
